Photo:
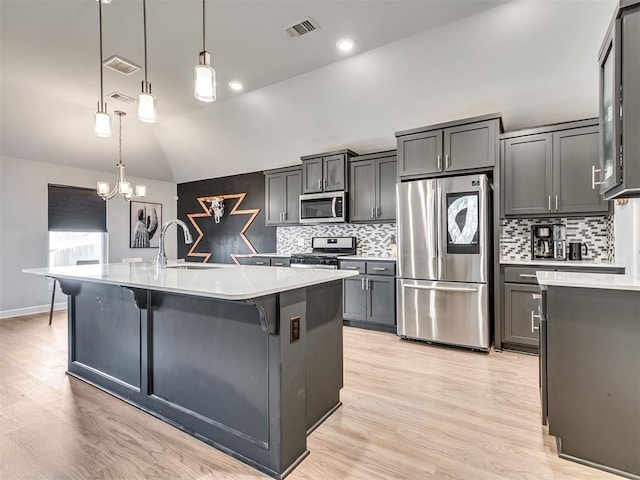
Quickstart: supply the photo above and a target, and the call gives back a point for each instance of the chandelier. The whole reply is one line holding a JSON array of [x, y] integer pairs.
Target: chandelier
[[122, 186]]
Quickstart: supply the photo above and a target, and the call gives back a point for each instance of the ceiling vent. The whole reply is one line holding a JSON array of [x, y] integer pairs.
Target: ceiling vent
[[304, 26], [121, 65], [121, 97]]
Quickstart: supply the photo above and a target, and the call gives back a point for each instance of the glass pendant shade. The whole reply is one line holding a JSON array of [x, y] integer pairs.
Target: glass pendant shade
[[147, 111], [124, 188], [141, 191], [102, 124], [204, 83], [103, 189]]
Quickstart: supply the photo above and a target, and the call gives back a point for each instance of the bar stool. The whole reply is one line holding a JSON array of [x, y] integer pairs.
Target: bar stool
[[55, 282]]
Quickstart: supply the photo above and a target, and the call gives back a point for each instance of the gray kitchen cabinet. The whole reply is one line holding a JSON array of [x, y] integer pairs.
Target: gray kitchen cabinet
[[381, 300], [470, 146], [372, 190], [282, 196], [522, 316], [550, 171], [370, 300], [463, 145], [519, 327], [575, 158], [528, 174], [326, 172], [354, 306], [619, 61], [420, 154]]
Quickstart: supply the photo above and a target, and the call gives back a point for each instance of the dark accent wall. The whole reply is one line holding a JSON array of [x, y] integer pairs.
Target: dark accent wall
[[223, 239]]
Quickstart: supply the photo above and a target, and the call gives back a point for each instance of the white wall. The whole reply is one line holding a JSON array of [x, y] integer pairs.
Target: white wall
[[627, 236], [23, 227]]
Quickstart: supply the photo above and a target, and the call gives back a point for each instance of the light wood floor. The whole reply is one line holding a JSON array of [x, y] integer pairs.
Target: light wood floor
[[411, 411]]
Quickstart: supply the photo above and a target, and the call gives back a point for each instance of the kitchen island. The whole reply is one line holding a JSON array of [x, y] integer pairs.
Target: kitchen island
[[590, 368], [247, 359]]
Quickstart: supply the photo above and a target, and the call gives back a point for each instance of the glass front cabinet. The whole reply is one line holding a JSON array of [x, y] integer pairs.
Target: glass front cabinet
[[610, 111], [619, 59]]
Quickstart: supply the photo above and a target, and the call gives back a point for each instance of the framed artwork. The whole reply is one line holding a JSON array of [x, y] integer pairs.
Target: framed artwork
[[145, 221]]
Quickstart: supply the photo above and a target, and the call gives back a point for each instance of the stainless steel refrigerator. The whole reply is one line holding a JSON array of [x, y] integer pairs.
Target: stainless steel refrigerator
[[443, 259]]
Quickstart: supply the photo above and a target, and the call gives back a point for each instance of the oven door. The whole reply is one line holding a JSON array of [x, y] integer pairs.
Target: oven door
[[323, 208]]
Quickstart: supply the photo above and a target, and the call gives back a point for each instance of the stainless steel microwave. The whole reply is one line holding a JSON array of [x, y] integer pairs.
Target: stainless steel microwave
[[329, 207]]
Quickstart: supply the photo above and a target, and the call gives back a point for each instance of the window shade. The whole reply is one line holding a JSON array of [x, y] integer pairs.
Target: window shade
[[76, 209]]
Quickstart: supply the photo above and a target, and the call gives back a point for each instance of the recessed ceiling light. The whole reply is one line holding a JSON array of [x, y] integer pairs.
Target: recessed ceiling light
[[235, 85], [345, 45]]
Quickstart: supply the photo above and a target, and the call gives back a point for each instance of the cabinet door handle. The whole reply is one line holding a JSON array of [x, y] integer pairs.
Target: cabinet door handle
[[278, 264], [320, 183], [377, 212], [528, 275], [447, 160], [373, 212], [350, 268], [260, 263], [533, 321], [537, 296], [324, 182], [549, 205], [556, 203], [362, 283], [380, 269], [593, 177], [284, 216], [439, 162]]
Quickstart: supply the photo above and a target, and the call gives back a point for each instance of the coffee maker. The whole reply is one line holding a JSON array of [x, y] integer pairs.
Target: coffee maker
[[549, 242]]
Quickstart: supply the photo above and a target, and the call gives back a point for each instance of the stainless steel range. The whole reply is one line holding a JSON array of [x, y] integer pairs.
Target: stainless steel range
[[326, 251]]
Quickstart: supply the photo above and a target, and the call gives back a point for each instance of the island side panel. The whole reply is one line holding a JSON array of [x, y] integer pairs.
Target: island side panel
[[593, 345], [104, 336], [209, 371], [324, 353]]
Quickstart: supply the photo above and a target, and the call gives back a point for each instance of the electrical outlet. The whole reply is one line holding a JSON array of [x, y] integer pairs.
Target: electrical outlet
[[301, 242], [295, 329]]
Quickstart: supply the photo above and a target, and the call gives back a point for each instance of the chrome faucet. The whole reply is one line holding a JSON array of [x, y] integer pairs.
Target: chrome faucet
[[161, 259]]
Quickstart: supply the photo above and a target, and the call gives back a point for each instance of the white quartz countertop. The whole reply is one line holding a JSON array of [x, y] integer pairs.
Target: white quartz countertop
[[224, 281], [368, 259], [589, 280], [560, 263]]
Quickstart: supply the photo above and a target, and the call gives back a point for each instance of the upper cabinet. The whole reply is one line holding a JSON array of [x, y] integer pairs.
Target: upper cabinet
[[372, 188], [619, 172], [282, 196], [460, 146], [550, 171], [326, 172]]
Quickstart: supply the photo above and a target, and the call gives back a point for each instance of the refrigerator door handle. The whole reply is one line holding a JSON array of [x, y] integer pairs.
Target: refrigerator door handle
[[442, 289]]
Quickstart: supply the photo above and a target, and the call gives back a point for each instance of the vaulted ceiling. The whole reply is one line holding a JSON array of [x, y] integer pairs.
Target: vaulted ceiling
[[415, 62]]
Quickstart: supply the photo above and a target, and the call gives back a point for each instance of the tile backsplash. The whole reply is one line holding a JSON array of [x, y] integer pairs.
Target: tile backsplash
[[372, 239], [596, 232]]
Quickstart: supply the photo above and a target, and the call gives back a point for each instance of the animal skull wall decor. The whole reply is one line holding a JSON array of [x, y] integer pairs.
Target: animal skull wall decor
[[217, 208]]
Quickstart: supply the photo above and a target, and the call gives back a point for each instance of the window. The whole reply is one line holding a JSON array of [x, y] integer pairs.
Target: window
[[77, 225], [66, 248]]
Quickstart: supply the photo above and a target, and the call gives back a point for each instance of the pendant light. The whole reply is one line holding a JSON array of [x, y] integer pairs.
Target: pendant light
[[147, 111], [204, 77], [122, 186], [101, 120]]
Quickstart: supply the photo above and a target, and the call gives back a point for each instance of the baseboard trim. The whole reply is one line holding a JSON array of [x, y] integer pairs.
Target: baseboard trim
[[19, 312]]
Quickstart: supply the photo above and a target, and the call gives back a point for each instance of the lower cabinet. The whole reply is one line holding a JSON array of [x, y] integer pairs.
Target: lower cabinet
[[520, 305], [522, 318], [370, 300]]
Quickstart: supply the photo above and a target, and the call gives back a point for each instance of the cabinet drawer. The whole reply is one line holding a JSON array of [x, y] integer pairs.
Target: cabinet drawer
[[523, 274], [264, 261], [280, 262], [355, 265], [381, 268]]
